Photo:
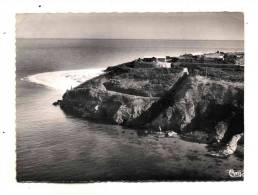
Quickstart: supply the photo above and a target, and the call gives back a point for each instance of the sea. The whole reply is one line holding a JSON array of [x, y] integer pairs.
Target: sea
[[52, 146]]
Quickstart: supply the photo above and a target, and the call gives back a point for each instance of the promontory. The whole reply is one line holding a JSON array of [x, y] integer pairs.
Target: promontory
[[189, 94]]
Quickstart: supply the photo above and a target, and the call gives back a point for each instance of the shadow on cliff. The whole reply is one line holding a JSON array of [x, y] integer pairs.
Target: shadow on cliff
[[157, 107]]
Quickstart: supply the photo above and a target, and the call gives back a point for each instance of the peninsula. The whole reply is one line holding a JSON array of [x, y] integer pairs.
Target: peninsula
[[200, 97]]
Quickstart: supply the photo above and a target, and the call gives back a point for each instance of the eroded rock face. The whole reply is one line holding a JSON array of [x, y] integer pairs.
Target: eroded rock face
[[181, 109], [220, 130], [161, 98], [111, 106], [230, 147], [232, 144], [202, 104]]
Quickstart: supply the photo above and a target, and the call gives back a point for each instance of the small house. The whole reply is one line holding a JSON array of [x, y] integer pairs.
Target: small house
[[154, 62], [162, 62]]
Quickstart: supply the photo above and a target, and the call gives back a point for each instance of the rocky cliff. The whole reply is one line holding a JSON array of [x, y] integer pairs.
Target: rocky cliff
[[209, 100]]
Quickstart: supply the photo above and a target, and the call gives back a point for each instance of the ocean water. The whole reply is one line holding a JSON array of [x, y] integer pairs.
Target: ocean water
[[55, 147]]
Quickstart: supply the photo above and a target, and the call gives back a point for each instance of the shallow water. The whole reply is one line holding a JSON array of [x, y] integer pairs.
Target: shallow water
[[53, 146]]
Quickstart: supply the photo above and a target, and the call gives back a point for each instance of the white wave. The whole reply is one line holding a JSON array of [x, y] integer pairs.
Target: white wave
[[63, 80]]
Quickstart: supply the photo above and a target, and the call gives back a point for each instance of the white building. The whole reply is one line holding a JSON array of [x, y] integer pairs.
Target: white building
[[162, 62], [156, 61]]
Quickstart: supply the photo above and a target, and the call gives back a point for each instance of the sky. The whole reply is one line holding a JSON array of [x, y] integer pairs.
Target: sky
[[171, 25]]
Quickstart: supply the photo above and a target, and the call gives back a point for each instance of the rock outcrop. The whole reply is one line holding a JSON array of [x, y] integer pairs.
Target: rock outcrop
[[163, 98], [229, 148], [202, 103]]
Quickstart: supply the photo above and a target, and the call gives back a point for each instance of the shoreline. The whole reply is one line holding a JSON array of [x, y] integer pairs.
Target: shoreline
[[65, 79]]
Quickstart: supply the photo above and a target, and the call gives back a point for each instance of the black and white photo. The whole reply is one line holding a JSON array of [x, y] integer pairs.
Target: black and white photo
[[133, 97]]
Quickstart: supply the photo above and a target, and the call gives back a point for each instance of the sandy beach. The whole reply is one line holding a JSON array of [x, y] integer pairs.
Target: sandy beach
[[63, 80]]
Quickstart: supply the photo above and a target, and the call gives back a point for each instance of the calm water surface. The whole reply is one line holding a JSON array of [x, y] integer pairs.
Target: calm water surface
[[52, 146]]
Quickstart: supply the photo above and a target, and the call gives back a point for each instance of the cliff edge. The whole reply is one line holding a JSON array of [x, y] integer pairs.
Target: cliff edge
[[210, 99]]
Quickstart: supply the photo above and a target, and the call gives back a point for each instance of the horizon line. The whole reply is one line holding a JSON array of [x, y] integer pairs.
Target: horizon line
[[131, 39]]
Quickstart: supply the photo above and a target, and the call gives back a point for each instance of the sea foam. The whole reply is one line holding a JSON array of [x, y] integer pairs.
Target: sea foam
[[63, 80]]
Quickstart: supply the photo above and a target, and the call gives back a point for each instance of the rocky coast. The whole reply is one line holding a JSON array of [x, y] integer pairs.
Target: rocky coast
[[204, 104]]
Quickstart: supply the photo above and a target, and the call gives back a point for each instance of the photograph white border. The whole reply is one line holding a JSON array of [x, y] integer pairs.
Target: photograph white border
[[7, 95]]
